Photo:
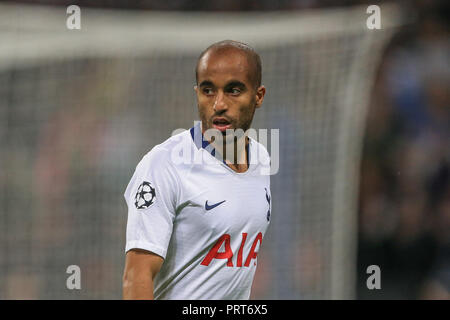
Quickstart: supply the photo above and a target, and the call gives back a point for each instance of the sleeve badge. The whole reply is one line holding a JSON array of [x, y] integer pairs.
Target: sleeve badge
[[145, 196]]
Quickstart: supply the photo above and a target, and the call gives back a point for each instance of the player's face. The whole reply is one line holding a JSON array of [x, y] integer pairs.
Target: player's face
[[226, 94]]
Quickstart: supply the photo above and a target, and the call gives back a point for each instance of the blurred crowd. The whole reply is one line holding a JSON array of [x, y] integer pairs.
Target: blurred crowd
[[203, 5], [404, 219]]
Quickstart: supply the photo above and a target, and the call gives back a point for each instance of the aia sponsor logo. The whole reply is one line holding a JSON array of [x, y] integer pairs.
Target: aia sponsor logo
[[228, 252]]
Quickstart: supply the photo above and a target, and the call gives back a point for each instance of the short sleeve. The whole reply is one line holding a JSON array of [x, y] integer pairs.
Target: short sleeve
[[151, 197]]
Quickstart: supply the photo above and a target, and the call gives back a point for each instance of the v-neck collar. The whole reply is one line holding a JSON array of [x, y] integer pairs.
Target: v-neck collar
[[201, 143]]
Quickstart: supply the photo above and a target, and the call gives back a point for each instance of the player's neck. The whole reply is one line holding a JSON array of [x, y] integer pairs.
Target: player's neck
[[234, 153]]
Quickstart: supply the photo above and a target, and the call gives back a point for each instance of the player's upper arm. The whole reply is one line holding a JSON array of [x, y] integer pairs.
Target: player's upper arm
[[140, 264], [141, 268]]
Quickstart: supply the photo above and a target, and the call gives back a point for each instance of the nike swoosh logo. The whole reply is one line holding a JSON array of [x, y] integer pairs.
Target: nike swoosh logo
[[207, 207]]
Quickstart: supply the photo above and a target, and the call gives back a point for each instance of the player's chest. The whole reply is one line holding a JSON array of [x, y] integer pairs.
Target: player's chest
[[229, 205]]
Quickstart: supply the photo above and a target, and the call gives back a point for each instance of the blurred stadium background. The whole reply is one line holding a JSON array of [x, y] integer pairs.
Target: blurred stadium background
[[364, 124]]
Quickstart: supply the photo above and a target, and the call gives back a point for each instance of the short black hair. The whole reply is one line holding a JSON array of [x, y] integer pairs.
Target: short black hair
[[252, 56]]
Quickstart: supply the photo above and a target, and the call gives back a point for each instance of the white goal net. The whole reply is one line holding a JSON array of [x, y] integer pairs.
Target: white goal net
[[79, 108]]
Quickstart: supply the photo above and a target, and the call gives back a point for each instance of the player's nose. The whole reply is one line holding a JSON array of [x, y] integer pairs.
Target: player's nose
[[220, 103]]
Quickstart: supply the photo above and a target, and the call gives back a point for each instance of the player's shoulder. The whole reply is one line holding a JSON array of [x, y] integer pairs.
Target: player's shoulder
[[162, 154]]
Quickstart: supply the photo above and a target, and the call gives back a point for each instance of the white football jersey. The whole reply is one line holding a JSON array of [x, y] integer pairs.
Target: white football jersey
[[206, 220]]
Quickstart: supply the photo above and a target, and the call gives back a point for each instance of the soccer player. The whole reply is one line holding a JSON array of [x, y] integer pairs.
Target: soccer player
[[195, 227]]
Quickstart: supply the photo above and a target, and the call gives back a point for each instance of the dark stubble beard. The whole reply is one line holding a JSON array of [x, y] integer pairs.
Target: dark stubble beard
[[231, 140], [244, 124]]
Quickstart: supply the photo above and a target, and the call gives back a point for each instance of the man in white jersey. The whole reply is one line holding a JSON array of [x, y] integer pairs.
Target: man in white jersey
[[197, 213]]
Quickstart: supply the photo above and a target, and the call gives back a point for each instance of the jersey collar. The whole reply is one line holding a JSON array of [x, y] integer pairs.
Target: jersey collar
[[201, 143]]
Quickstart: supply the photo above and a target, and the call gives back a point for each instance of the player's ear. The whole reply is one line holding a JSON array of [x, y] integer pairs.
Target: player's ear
[[196, 88], [260, 92]]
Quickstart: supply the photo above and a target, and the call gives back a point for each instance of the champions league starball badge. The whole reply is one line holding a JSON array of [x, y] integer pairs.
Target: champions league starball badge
[[145, 196]]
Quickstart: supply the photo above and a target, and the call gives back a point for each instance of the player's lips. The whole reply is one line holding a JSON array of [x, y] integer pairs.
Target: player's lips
[[221, 123]]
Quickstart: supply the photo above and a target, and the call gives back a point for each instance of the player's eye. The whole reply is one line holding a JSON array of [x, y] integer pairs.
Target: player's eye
[[235, 91], [207, 91]]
